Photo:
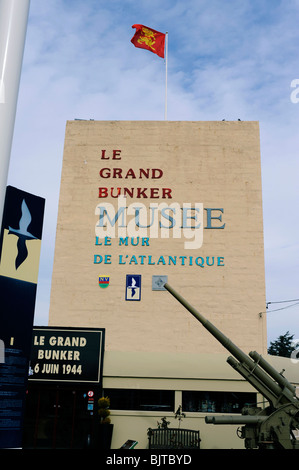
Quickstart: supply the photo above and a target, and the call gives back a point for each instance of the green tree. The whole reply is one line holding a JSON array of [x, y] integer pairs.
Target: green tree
[[282, 346]]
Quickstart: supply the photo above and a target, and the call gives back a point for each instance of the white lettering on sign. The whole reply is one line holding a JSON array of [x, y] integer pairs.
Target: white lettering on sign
[[76, 341], [68, 341], [59, 354]]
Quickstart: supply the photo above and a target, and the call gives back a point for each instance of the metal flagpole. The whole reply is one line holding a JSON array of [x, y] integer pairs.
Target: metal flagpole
[[166, 59], [13, 26]]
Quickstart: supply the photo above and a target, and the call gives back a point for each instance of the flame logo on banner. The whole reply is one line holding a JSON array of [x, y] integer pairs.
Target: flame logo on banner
[[23, 234]]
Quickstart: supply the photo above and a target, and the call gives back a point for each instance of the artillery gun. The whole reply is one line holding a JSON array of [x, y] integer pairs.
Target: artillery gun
[[271, 427]]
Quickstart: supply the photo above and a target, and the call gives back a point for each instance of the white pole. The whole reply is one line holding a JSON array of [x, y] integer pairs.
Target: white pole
[[166, 60], [13, 26]]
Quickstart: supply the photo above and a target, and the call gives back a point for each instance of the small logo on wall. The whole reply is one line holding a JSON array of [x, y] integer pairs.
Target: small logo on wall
[[104, 281], [133, 287]]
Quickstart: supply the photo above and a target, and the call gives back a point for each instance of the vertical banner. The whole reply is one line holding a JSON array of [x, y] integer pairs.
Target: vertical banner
[[20, 244]]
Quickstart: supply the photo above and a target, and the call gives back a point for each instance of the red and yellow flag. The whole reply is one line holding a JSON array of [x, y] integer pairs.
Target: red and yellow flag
[[147, 38]]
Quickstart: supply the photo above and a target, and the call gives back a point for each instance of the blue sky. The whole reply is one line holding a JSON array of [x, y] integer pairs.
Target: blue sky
[[226, 60]]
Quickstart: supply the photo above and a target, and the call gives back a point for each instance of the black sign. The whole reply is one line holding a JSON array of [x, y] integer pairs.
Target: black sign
[[67, 354], [20, 242]]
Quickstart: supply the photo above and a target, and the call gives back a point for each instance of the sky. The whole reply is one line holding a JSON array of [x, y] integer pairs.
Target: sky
[[226, 60]]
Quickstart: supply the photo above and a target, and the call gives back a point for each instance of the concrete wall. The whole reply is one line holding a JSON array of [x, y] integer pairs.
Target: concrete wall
[[206, 170], [165, 371], [216, 164], [170, 371]]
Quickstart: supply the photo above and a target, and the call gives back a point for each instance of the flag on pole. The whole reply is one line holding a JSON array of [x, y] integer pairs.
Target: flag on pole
[[147, 38]]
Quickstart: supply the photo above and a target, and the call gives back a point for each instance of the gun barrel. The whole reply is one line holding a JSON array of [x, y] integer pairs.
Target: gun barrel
[[276, 394], [235, 419], [282, 381], [258, 379], [226, 342]]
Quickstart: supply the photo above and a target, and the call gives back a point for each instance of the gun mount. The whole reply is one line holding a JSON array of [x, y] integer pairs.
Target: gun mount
[[271, 427]]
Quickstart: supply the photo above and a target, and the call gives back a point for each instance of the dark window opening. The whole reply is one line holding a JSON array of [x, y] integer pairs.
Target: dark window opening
[[140, 400], [217, 402]]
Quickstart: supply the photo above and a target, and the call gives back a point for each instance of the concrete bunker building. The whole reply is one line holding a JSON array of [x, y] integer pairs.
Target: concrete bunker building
[[141, 200]]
